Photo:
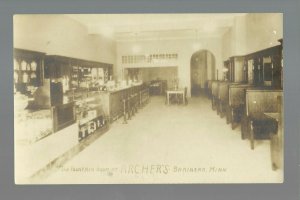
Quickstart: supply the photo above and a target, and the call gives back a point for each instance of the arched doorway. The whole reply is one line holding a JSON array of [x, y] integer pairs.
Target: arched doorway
[[202, 69]]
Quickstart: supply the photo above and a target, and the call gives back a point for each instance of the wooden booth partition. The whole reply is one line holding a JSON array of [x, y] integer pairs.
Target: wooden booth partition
[[236, 103], [258, 103], [208, 88], [223, 97], [214, 94]]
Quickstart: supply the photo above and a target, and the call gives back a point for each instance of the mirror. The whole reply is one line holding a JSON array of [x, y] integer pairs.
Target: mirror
[[250, 71], [267, 71]]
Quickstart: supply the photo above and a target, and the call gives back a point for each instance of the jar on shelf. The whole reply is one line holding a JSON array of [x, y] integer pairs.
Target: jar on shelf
[[33, 66], [28, 68], [25, 78], [23, 65], [33, 75], [98, 123]]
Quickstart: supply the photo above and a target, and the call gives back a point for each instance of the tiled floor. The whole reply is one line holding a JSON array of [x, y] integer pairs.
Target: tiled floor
[[170, 144]]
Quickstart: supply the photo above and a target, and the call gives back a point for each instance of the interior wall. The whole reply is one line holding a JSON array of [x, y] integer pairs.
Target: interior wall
[[252, 32], [210, 63], [227, 49], [159, 73], [260, 30], [184, 48], [61, 35]]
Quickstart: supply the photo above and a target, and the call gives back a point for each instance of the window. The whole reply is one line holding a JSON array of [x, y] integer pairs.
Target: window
[[149, 58]]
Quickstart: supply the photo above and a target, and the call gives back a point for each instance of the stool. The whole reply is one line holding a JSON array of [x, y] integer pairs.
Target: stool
[[132, 104], [129, 107], [140, 100], [136, 102], [124, 110]]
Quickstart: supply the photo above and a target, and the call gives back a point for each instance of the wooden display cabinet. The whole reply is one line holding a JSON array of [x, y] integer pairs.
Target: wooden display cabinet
[[226, 72], [281, 63], [236, 69], [56, 67], [264, 68], [28, 70], [76, 73]]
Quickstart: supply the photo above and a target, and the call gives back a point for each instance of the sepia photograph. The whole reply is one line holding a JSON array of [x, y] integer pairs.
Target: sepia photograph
[[148, 98]]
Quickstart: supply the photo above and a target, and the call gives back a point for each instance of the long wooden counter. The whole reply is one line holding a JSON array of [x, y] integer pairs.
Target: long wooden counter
[[112, 101]]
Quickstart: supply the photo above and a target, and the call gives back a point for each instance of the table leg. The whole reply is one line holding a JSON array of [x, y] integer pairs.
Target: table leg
[[183, 99], [168, 98]]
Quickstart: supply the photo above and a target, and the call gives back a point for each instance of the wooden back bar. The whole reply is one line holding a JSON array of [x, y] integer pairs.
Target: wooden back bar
[[266, 67], [260, 101], [31, 64]]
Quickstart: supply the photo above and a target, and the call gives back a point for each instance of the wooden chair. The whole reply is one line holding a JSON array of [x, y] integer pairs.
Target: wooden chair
[[179, 98], [173, 98], [185, 95]]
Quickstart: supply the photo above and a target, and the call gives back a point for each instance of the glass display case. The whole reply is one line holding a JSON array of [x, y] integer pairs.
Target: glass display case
[[90, 115]]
